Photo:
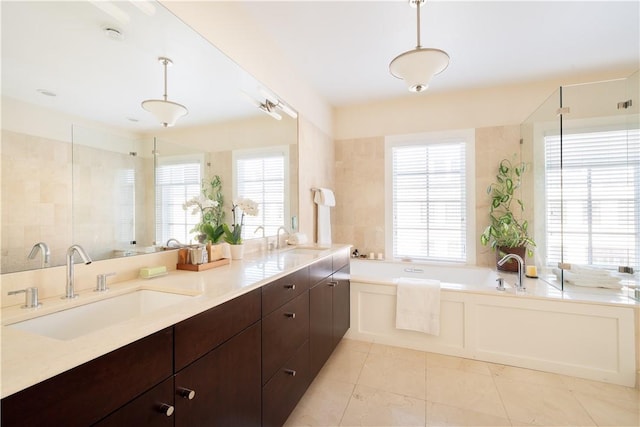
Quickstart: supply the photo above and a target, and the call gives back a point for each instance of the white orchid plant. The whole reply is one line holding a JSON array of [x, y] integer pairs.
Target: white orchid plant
[[208, 205], [241, 207]]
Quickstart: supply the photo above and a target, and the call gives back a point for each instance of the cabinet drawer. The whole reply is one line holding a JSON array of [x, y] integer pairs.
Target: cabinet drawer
[[201, 333], [154, 408], [281, 394], [320, 270], [89, 392], [283, 331], [284, 289]]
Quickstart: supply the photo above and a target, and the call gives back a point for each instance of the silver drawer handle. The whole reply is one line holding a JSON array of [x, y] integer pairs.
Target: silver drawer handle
[[166, 409], [290, 372], [290, 315], [333, 283], [186, 393], [290, 287]]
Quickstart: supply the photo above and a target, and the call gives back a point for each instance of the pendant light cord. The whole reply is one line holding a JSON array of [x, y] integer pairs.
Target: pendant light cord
[[164, 62], [418, 4]]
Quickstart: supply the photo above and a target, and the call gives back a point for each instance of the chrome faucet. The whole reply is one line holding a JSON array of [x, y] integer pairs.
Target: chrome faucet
[[519, 283], [278, 235], [176, 241], [69, 289], [260, 227], [44, 251]]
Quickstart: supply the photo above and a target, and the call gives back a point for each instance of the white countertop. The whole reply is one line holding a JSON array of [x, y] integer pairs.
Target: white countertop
[[28, 359]]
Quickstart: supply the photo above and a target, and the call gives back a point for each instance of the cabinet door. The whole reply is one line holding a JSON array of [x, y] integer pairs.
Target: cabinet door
[[226, 383], [341, 304], [89, 392], [153, 409], [320, 324]]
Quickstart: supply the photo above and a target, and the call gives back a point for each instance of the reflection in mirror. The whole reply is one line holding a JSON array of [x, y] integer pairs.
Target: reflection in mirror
[[112, 180], [68, 77], [254, 157]]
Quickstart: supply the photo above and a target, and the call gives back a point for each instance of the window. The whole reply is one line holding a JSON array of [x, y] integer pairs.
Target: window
[[178, 179], [261, 175], [429, 205], [593, 198]]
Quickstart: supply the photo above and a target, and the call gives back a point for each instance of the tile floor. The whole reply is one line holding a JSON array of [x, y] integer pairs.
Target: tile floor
[[365, 384]]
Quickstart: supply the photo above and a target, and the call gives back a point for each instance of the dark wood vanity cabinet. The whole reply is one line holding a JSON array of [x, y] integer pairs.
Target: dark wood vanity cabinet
[[218, 365], [226, 385], [329, 308], [83, 395], [285, 346], [246, 362]]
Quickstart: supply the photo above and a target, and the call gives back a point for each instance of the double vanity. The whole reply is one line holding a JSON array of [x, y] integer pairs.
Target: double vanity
[[235, 345]]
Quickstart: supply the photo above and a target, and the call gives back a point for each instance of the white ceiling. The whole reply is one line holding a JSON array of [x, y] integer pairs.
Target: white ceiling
[[343, 48]]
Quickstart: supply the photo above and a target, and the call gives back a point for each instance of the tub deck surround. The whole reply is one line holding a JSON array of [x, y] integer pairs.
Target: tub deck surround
[[28, 359], [583, 334]]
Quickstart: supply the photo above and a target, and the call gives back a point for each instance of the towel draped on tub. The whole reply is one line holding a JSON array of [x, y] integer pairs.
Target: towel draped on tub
[[418, 305]]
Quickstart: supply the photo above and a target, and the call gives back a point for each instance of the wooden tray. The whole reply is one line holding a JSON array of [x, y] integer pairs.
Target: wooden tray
[[202, 267]]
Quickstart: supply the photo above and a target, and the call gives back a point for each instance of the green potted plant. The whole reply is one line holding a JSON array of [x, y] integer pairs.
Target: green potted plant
[[209, 205], [233, 234], [506, 232]]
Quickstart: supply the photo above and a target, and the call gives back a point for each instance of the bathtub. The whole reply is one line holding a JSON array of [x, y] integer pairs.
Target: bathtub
[[538, 329]]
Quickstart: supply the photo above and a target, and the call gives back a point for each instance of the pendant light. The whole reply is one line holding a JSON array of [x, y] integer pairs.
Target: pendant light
[[418, 66], [165, 111]]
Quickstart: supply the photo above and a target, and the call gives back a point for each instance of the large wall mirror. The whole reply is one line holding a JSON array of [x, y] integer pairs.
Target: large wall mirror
[[84, 163]]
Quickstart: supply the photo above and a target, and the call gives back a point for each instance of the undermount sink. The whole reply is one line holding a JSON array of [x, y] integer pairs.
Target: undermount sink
[[81, 320]]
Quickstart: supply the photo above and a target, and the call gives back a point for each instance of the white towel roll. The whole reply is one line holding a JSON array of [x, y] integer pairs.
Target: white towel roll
[[324, 197]]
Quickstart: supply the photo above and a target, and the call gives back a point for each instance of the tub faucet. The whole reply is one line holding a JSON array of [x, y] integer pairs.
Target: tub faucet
[[44, 251], [519, 283], [278, 235], [70, 288]]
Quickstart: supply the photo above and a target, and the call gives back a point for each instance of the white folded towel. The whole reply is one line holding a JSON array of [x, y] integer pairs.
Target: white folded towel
[[589, 280], [418, 305], [298, 239], [324, 197]]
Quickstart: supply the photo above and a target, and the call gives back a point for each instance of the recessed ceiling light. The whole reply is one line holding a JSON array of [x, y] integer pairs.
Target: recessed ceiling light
[[113, 33], [46, 92]]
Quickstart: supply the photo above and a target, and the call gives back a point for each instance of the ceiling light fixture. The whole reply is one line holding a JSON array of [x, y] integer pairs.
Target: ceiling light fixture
[[270, 108], [167, 112], [278, 103], [418, 66]]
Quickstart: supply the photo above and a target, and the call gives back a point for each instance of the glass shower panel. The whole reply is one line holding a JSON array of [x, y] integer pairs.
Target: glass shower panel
[[599, 187], [543, 189], [110, 181]]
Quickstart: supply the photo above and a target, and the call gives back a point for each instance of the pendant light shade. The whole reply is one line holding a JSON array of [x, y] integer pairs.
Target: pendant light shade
[[165, 111], [418, 66]]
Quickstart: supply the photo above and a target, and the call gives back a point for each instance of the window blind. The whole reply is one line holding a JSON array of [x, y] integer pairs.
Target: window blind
[[428, 201], [175, 184], [261, 177], [593, 198]]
